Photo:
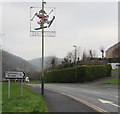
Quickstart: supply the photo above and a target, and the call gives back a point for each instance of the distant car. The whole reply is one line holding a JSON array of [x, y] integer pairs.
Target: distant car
[[27, 79], [118, 66]]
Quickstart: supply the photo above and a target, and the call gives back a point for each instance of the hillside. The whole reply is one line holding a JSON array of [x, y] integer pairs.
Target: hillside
[[38, 62], [12, 62]]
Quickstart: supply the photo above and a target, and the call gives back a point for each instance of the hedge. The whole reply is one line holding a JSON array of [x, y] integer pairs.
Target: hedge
[[83, 73], [113, 60]]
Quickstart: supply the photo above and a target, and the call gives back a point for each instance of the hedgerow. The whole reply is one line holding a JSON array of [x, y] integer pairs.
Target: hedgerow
[[83, 73]]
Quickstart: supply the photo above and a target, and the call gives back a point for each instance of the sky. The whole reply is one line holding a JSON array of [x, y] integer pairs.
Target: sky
[[88, 25]]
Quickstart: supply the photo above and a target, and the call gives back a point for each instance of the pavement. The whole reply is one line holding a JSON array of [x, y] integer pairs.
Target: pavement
[[57, 102]]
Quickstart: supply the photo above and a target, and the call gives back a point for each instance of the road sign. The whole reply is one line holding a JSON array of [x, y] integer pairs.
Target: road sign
[[14, 75], [36, 22]]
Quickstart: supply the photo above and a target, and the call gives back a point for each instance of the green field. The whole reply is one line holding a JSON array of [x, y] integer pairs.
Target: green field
[[29, 102], [117, 81]]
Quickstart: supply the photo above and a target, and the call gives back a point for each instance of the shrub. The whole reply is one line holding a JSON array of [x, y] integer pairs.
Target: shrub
[[83, 73]]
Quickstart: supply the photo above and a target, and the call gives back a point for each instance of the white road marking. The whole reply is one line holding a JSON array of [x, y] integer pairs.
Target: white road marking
[[92, 91], [108, 102], [116, 96], [81, 89]]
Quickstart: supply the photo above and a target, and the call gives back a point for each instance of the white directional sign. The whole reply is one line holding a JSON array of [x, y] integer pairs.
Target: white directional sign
[[14, 74]]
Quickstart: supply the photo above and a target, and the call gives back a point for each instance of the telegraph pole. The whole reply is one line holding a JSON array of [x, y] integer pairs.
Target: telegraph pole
[[42, 78]]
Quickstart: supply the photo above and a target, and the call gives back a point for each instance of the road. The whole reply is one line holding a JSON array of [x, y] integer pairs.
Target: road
[[103, 96], [99, 97]]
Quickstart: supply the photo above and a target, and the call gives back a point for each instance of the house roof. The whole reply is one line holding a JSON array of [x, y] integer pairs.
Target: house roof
[[114, 46]]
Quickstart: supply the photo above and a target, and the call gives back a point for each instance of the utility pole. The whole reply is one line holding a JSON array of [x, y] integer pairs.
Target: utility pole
[[42, 78], [75, 59]]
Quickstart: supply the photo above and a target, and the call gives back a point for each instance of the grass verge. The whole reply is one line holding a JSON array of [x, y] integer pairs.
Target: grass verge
[[34, 82], [29, 102], [117, 81], [115, 69], [114, 74]]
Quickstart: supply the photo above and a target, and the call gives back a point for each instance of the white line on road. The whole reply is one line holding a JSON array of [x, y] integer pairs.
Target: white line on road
[[108, 102], [81, 89], [99, 93], [116, 96], [92, 91]]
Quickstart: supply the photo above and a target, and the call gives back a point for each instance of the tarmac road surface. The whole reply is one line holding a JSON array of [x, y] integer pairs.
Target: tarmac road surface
[[80, 97]]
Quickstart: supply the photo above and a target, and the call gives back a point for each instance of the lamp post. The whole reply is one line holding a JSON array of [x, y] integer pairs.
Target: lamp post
[[42, 78], [43, 22], [75, 59]]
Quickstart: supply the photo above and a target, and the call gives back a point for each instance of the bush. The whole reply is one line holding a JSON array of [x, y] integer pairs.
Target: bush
[[83, 73], [109, 70]]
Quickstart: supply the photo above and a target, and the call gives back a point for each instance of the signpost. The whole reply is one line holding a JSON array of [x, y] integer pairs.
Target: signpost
[[14, 75], [45, 21]]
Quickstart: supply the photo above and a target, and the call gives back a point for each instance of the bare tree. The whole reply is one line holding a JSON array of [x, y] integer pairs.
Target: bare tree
[[78, 52], [69, 56], [102, 51], [52, 61], [66, 60], [84, 55], [94, 54], [91, 55]]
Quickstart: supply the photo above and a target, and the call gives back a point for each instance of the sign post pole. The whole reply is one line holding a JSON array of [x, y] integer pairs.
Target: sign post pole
[[13, 75], [8, 88], [21, 90]]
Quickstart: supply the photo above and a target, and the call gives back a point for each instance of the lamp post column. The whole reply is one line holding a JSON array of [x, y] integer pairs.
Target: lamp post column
[[75, 60], [42, 78]]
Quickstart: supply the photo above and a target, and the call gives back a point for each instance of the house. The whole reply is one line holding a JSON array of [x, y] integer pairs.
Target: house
[[113, 55], [113, 51]]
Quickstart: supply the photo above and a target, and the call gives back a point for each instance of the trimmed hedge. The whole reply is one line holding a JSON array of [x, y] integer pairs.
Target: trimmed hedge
[[83, 73], [113, 60]]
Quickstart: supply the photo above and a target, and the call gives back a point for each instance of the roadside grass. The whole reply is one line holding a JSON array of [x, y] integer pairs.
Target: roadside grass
[[117, 81], [34, 82], [29, 102], [115, 69], [115, 74]]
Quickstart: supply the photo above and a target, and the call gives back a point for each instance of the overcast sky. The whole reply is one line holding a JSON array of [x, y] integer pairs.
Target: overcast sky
[[88, 25]]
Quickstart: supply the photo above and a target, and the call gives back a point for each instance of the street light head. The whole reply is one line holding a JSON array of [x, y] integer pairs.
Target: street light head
[[74, 46]]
